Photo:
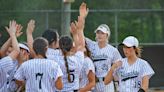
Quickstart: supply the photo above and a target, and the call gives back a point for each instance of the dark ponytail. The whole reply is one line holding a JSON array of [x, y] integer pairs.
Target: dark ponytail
[[66, 65], [65, 44]]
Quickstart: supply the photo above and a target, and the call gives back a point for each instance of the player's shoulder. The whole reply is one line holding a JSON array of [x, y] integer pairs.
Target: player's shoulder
[[111, 48], [26, 63], [7, 58], [87, 59], [77, 55], [52, 62], [51, 51], [142, 61]]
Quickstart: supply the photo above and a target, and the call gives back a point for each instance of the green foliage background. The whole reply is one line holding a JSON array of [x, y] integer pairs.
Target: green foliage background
[[147, 26]]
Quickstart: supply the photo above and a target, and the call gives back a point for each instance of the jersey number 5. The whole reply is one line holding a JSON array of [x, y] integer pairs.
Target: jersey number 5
[[72, 75], [40, 75]]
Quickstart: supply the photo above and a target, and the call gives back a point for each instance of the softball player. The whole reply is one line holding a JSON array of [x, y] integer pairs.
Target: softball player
[[10, 85], [6, 63], [87, 75], [53, 40], [70, 65], [39, 74], [133, 72], [72, 57], [102, 53]]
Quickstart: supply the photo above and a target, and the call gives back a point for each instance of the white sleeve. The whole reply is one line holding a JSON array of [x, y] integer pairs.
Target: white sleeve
[[117, 56], [56, 71], [90, 44], [147, 70], [80, 59], [59, 72], [90, 66], [6, 64], [19, 75]]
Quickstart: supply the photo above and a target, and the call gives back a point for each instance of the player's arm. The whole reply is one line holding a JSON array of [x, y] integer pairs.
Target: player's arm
[[30, 40], [83, 12], [109, 76], [7, 44], [91, 83], [58, 83], [73, 30], [145, 84], [5, 47], [58, 78], [19, 83], [147, 73], [19, 76], [12, 32], [80, 28]]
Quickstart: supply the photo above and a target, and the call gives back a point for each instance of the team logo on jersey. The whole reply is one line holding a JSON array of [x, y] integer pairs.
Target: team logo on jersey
[[99, 57], [126, 76]]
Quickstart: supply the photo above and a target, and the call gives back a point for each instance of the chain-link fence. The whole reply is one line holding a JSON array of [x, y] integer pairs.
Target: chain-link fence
[[146, 24]]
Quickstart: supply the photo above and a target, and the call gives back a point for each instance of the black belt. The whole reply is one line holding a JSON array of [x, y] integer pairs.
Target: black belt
[[98, 79], [75, 90]]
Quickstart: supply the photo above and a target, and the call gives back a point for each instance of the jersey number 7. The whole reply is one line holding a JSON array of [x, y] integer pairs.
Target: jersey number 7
[[40, 75]]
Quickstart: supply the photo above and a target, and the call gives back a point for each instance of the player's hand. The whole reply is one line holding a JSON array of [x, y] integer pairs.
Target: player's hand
[[83, 10], [73, 28], [12, 28], [19, 30], [30, 27], [116, 65]]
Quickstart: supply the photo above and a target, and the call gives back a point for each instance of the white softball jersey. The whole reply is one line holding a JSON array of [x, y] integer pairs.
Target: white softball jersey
[[6, 65], [75, 63], [39, 75], [87, 66], [52, 53], [130, 76], [10, 85], [103, 58]]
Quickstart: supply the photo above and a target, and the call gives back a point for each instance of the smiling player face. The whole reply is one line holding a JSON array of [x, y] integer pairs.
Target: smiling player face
[[101, 37]]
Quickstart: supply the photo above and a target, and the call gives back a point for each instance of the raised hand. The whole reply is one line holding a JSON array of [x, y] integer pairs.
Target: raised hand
[[12, 28], [83, 10], [19, 30], [73, 28], [30, 26]]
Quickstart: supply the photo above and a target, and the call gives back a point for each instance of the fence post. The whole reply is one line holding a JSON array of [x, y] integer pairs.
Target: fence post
[[66, 15]]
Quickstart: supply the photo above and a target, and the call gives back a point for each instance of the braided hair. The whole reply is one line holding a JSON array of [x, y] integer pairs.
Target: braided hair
[[65, 44]]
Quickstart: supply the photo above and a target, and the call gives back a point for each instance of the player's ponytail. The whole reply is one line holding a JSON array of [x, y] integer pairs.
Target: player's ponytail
[[66, 65], [65, 44]]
